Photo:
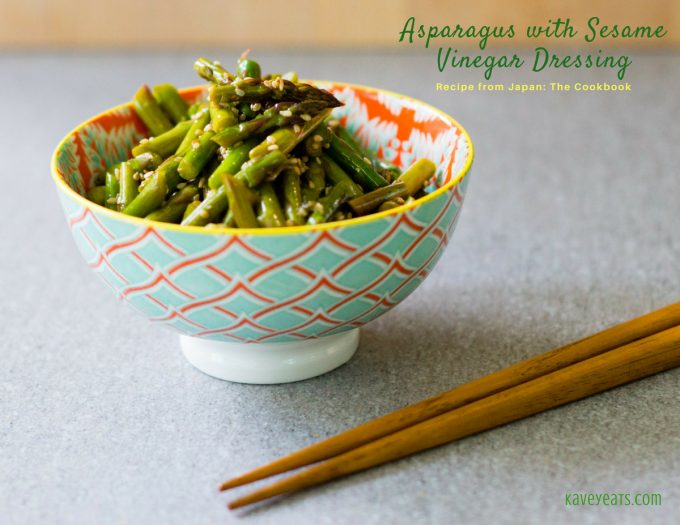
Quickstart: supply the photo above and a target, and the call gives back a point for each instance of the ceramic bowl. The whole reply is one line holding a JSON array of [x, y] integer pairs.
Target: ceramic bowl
[[271, 305]]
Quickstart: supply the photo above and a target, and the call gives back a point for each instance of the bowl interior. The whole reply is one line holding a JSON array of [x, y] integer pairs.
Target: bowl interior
[[399, 129]]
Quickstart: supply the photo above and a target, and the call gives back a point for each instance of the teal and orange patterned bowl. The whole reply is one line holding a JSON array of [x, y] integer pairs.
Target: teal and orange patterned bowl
[[271, 305]]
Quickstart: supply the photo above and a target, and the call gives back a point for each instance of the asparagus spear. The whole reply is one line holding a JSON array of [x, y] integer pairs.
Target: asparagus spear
[[200, 121], [242, 210], [169, 171], [221, 118], [150, 197], [229, 221], [150, 112], [128, 184], [185, 195], [197, 157], [370, 201], [314, 145], [195, 108], [212, 71], [360, 168], [190, 209], [315, 182], [174, 209], [270, 215], [148, 161], [414, 177], [209, 210], [112, 186], [258, 90], [164, 144], [328, 205], [214, 205], [279, 115], [292, 194], [171, 102], [169, 213], [337, 175], [388, 205], [254, 172], [281, 139], [389, 171], [232, 162], [284, 141]]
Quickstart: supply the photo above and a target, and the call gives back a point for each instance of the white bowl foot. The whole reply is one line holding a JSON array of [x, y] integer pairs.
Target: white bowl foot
[[270, 363]]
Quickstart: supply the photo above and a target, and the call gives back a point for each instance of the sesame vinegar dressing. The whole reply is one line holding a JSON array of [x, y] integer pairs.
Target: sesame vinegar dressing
[[257, 132]]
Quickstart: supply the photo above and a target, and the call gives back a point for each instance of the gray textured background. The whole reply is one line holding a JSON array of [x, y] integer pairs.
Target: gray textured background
[[571, 224]]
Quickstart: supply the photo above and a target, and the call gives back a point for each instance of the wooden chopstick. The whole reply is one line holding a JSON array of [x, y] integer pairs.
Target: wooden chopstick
[[521, 372], [633, 361]]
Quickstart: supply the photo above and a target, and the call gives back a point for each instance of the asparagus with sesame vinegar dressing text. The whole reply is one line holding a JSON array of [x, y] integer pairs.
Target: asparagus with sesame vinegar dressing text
[[254, 151]]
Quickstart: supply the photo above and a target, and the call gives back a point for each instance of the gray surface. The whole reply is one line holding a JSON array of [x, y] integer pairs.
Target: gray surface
[[571, 224]]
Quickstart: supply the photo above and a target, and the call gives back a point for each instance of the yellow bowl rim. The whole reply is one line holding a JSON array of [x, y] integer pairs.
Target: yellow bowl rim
[[288, 230]]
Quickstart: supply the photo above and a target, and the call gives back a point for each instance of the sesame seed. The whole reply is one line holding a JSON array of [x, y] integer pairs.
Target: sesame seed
[[144, 141], [306, 117], [367, 160], [271, 139], [181, 185], [195, 144], [255, 106], [297, 129], [208, 127], [286, 113], [204, 214], [318, 160], [239, 92], [318, 138], [272, 147], [112, 200]]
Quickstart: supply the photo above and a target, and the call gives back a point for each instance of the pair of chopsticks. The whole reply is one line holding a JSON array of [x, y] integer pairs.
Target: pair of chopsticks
[[616, 356]]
